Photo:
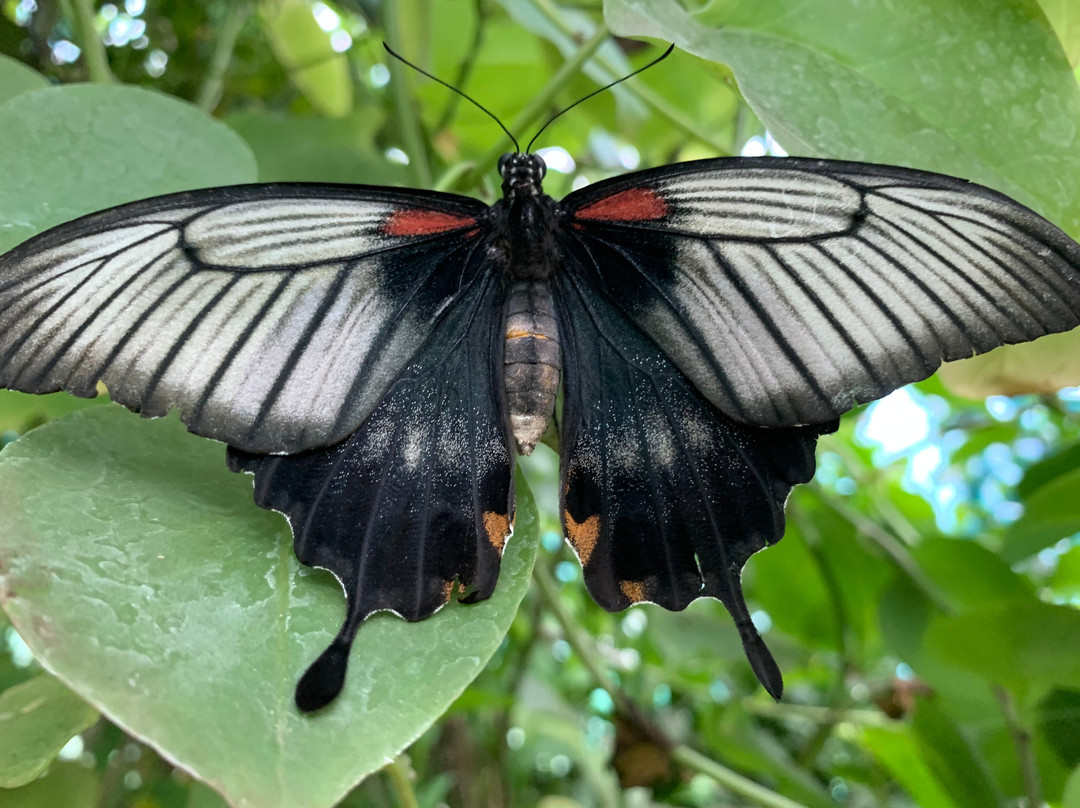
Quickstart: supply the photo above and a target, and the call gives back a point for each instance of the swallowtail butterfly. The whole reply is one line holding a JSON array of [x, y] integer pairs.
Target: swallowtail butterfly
[[374, 355]]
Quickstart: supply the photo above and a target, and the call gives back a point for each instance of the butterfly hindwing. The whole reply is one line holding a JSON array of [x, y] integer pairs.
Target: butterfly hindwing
[[664, 496], [418, 502], [789, 290], [273, 316]]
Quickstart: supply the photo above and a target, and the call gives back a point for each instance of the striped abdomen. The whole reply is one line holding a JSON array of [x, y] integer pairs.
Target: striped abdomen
[[532, 361]]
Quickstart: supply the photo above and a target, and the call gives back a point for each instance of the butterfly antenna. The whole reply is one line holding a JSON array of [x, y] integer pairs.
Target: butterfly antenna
[[472, 101], [554, 117]]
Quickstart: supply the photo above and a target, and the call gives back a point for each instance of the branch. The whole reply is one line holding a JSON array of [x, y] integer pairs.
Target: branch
[[659, 104], [1025, 755], [408, 121], [571, 67], [400, 773], [209, 94], [93, 49]]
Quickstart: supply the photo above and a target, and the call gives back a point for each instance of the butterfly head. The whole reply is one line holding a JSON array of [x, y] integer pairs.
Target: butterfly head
[[521, 174]]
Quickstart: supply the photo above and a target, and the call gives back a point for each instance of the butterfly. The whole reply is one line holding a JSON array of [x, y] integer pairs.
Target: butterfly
[[377, 356]]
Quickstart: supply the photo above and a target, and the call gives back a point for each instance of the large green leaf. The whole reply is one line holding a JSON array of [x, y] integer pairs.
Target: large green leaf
[[139, 571], [72, 150], [37, 718], [16, 78], [979, 90], [1027, 647]]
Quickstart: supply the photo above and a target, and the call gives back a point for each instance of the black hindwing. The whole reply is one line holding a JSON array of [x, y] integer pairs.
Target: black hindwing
[[664, 497], [418, 502]]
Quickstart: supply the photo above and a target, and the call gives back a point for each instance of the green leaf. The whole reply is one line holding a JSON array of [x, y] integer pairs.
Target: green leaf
[[138, 569], [825, 79], [1023, 646], [899, 752], [1051, 513], [956, 761], [308, 149], [969, 575], [37, 718], [1048, 469], [72, 150], [16, 78], [69, 785], [1071, 798], [811, 616], [303, 48], [1058, 717], [21, 412], [1065, 582]]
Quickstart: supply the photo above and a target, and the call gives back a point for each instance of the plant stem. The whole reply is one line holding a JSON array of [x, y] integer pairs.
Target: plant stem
[[210, 92], [483, 12], [541, 102], [1025, 755], [400, 773], [97, 62], [733, 781], [408, 121], [658, 103]]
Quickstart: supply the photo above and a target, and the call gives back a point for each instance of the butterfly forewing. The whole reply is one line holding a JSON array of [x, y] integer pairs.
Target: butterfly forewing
[[791, 290], [273, 316]]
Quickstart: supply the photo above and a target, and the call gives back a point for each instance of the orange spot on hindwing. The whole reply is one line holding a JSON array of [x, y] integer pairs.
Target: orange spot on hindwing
[[582, 535], [414, 222], [497, 528], [634, 590], [631, 205]]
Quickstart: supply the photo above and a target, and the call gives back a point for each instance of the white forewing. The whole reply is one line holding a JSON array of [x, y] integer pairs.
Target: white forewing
[[791, 290], [272, 316]]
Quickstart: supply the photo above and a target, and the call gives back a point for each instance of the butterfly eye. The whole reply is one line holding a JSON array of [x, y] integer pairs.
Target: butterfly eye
[[503, 161], [542, 166]]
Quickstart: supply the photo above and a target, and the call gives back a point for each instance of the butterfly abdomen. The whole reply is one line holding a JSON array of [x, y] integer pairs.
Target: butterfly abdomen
[[532, 361]]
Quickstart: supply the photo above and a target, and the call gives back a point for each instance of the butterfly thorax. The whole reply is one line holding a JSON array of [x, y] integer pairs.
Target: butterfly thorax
[[532, 359]]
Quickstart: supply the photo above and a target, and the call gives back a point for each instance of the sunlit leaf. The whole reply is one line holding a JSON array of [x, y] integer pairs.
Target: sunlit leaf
[[1064, 15], [37, 718], [305, 50], [138, 569]]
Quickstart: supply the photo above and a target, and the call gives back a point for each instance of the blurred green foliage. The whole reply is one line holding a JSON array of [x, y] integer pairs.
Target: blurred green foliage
[[923, 603]]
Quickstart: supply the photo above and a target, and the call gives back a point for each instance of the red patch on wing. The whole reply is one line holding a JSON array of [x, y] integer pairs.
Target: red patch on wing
[[632, 205], [414, 222]]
